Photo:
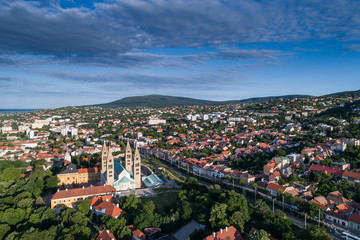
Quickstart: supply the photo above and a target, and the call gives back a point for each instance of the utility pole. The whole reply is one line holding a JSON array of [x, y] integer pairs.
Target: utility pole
[[305, 220], [283, 203], [319, 216], [255, 194], [274, 205], [233, 184]]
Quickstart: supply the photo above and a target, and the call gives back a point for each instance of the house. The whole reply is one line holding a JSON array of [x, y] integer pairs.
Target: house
[[71, 175], [354, 221], [109, 209], [248, 178], [152, 233], [337, 217], [105, 235], [291, 190], [269, 168], [138, 235], [274, 188], [352, 176], [229, 233], [336, 197], [340, 165], [71, 197]]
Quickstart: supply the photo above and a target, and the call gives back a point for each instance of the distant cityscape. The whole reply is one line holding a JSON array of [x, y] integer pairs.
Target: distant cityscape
[[179, 120], [236, 171]]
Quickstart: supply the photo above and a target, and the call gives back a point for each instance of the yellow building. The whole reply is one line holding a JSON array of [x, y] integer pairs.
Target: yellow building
[[72, 197], [71, 175]]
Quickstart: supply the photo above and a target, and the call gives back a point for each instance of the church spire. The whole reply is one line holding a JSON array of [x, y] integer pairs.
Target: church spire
[[104, 153], [110, 167], [128, 157], [137, 168]]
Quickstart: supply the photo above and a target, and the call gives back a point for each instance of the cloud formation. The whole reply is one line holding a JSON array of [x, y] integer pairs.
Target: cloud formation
[[107, 32]]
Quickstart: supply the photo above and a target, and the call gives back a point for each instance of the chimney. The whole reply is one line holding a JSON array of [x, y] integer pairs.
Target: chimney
[[220, 230], [117, 205], [214, 234], [66, 189], [226, 229], [107, 231], [58, 190], [83, 187]]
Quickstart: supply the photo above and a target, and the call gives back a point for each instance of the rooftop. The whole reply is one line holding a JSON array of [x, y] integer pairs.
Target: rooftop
[[89, 191]]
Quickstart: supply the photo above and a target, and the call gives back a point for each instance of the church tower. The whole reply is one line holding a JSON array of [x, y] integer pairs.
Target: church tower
[[128, 157], [110, 168], [137, 169], [104, 153]]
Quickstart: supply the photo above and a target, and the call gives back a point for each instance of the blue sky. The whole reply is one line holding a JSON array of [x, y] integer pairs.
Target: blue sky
[[61, 53]]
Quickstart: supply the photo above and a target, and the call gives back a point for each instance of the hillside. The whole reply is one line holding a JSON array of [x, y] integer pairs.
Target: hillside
[[156, 101], [352, 94], [159, 101]]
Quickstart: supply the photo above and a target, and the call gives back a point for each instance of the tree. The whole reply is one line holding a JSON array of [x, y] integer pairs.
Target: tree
[[237, 220], [52, 182], [218, 216], [4, 228], [191, 183], [10, 174], [25, 203], [186, 210], [259, 235], [84, 207], [13, 216], [315, 232]]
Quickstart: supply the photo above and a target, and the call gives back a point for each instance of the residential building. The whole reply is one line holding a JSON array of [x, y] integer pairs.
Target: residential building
[[229, 233], [72, 197], [105, 235], [71, 175], [274, 188], [138, 235], [354, 221]]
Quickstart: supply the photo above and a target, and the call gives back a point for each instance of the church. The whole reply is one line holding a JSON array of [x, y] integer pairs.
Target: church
[[113, 173]]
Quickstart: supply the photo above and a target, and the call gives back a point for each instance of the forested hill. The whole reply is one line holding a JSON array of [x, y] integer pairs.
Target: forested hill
[[159, 101], [352, 94]]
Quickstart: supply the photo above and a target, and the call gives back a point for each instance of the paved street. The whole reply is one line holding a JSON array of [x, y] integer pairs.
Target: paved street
[[336, 231]]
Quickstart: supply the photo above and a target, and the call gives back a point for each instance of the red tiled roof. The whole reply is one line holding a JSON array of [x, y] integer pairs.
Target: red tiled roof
[[337, 215], [110, 209], [105, 235], [89, 191], [276, 187], [97, 200], [352, 174], [276, 174], [319, 168], [138, 234], [355, 217], [85, 170], [230, 233]]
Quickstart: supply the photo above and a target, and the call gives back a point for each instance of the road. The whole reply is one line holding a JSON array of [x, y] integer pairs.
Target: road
[[335, 230]]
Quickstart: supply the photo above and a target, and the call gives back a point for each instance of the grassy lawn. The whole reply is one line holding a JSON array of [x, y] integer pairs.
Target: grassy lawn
[[164, 201]]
